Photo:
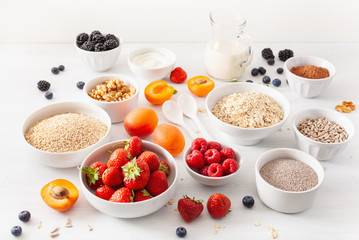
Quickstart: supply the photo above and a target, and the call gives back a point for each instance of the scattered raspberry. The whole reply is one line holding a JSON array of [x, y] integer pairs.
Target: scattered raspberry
[[215, 170], [212, 156], [199, 144], [227, 153], [229, 166], [195, 159], [214, 145], [204, 170]]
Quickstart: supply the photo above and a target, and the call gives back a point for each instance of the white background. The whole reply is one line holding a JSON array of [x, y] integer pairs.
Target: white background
[[50, 21]]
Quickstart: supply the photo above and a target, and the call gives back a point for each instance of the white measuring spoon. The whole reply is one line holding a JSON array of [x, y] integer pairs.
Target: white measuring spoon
[[173, 113], [188, 106]]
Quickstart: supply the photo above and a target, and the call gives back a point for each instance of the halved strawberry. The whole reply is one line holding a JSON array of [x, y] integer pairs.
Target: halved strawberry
[[118, 158], [134, 146], [136, 174]]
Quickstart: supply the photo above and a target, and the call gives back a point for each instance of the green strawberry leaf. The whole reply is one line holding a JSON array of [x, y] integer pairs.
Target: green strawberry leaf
[[131, 170], [92, 174], [163, 167]]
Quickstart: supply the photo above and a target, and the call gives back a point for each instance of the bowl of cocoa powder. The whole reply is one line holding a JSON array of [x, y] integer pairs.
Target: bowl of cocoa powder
[[308, 76]]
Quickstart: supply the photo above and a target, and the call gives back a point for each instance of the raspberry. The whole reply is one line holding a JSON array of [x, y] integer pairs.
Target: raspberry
[[215, 170], [229, 166], [214, 145], [204, 170], [195, 159], [212, 156], [227, 153], [199, 144]]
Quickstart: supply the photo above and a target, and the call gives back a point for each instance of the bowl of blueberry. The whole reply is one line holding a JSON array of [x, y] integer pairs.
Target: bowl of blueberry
[[99, 51]]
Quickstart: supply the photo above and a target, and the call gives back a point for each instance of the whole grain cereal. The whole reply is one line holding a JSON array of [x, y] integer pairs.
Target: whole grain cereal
[[65, 132], [113, 90], [248, 110]]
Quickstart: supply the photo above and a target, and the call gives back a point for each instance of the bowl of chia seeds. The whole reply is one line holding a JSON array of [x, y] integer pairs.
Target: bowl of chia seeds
[[288, 179]]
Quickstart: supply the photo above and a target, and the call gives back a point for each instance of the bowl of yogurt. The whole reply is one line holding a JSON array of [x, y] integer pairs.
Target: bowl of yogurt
[[152, 63]]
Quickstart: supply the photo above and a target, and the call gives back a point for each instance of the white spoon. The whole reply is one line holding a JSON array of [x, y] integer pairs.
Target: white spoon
[[188, 106], [173, 113]]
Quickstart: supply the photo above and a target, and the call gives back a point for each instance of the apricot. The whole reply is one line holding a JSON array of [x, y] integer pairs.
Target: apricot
[[170, 138], [141, 122], [60, 194]]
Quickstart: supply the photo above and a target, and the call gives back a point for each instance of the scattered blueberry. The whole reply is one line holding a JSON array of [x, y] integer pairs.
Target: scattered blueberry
[[266, 79], [262, 70], [24, 216], [49, 95], [280, 70], [80, 85], [254, 72], [16, 231], [181, 232], [55, 70], [270, 61], [277, 82], [61, 68], [248, 201], [249, 81]]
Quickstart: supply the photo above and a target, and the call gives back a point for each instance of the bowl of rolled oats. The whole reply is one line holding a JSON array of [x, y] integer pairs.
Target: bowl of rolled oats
[[114, 93], [323, 133], [247, 112]]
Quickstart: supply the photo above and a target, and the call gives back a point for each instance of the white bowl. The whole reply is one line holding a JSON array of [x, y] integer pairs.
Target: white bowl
[[281, 200], [116, 110], [67, 159], [305, 87], [245, 136], [319, 150], [214, 181], [152, 74], [100, 61], [135, 209]]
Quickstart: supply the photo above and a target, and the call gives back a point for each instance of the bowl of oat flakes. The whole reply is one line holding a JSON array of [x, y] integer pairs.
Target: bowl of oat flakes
[[116, 94], [62, 134], [247, 112], [323, 133]]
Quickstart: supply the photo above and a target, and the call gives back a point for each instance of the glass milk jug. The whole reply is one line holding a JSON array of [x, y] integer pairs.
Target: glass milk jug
[[229, 51]]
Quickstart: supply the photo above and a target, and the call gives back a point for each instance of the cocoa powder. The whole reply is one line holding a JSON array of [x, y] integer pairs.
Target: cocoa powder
[[310, 71]]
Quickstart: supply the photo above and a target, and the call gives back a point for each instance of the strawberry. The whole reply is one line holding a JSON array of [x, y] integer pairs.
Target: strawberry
[[164, 167], [229, 166], [151, 159], [215, 170], [134, 146], [218, 205], [195, 160], [189, 208], [123, 194], [142, 195], [118, 158], [178, 75], [94, 174], [104, 192], [136, 174], [112, 176], [157, 183]]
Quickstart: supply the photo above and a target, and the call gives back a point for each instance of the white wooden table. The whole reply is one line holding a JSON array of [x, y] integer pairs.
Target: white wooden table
[[334, 215]]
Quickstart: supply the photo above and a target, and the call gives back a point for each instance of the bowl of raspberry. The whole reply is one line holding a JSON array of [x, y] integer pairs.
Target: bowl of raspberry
[[212, 163]]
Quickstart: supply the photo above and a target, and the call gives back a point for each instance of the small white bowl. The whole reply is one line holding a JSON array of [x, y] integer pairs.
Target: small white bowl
[[100, 61], [116, 110], [67, 159], [245, 136], [281, 200], [214, 181], [305, 87], [319, 150], [152, 74], [135, 209]]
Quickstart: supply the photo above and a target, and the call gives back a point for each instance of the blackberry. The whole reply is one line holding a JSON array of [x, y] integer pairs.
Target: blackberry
[[285, 54], [111, 44], [61, 68], [98, 39], [267, 53], [266, 79], [270, 61], [96, 32], [262, 70], [55, 70], [43, 85], [100, 47], [254, 72], [81, 38], [277, 82], [88, 46], [111, 36], [49, 95], [280, 70]]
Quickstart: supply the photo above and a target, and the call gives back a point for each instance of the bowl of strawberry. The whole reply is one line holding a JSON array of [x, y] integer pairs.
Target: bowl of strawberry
[[212, 163], [128, 178]]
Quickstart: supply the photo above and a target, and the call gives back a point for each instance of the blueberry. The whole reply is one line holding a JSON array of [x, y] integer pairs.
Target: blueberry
[[254, 72], [277, 82], [279, 70], [16, 231], [266, 79], [55, 70], [49, 95], [262, 70], [270, 61], [248, 201], [80, 85], [249, 81], [24, 216], [181, 232], [61, 68]]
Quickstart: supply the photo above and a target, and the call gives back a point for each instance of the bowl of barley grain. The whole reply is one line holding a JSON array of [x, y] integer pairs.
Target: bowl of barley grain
[[62, 134], [323, 133]]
